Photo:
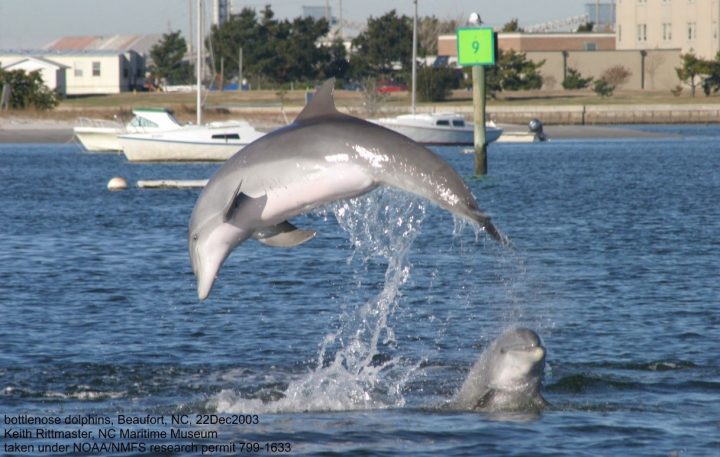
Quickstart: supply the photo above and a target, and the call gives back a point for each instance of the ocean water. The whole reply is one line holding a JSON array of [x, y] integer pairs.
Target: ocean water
[[351, 344]]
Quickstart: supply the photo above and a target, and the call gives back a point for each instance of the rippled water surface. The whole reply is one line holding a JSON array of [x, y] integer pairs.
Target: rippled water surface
[[352, 343]]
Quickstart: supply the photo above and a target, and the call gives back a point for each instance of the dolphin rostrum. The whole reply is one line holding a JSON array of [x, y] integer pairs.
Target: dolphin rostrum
[[323, 156], [507, 376]]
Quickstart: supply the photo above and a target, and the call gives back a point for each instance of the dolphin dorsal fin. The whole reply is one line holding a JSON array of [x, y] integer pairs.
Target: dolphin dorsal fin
[[322, 103]]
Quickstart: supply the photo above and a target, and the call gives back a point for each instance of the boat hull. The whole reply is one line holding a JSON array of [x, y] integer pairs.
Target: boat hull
[[158, 150], [98, 139], [425, 132]]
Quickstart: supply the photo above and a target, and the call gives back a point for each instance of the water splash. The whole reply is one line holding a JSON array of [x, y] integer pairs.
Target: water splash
[[357, 366]]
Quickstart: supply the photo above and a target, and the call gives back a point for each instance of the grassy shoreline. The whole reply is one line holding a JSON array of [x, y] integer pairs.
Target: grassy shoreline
[[266, 107]]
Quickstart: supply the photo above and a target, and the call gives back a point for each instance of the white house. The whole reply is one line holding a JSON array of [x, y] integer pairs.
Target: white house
[[52, 73], [87, 72]]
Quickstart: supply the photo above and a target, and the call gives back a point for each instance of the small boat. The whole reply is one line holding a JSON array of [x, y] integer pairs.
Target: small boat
[[438, 128], [434, 128], [102, 134], [98, 134], [215, 141]]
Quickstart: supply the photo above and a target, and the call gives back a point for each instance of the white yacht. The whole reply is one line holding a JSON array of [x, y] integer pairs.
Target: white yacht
[[102, 134], [215, 141], [434, 128], [438, 128]]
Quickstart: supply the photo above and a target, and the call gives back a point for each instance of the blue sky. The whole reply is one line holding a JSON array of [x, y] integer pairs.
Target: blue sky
[[33, 23]]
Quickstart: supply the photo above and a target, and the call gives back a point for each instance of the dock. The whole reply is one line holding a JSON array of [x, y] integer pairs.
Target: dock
[[171, 183]]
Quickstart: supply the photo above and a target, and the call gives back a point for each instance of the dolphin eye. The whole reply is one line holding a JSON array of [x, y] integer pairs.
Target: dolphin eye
[[195, 237]]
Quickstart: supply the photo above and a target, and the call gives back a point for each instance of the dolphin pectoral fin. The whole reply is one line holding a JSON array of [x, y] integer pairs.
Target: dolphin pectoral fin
[[233, 203], [485, 400], [283, 235], [242, 202]]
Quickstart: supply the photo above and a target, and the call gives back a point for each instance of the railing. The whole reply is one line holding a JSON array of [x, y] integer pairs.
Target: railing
[[101, 123]]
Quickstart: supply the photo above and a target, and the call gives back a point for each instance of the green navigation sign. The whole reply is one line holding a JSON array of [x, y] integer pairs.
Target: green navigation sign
[[476, 46]]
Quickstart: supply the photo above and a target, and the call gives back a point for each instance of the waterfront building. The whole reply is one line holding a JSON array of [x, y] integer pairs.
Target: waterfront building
[[688, 25], [52, 73], [590, 53], [90, 72]]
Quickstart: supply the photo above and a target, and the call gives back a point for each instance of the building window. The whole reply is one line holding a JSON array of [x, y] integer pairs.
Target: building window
[[96, 68], [590, 46], [642, 32], [77, 70], [667, 31], [619, 29], [692, 32]]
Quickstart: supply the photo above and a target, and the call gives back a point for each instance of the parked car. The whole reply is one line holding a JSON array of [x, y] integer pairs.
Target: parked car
[[391, 86]]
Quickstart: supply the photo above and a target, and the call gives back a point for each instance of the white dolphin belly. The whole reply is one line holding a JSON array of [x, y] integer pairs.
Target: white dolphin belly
[[317, 189]]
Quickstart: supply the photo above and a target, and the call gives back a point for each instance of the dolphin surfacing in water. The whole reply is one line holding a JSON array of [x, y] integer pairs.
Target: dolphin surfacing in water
[[323, 156], [507, 376]]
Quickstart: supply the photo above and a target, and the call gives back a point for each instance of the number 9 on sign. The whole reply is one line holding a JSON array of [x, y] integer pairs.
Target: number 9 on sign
[[476, 46]]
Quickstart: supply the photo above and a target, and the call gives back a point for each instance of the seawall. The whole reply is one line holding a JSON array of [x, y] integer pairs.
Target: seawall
[[595, 114]]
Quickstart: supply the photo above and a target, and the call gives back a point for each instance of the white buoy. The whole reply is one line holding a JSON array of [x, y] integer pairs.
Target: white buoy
[[117, 183]]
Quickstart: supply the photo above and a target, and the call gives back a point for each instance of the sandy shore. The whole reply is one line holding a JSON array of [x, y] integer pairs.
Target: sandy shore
[[24, 130]]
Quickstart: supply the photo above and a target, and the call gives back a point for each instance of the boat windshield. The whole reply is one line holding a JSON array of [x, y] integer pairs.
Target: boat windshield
[[139, 121]]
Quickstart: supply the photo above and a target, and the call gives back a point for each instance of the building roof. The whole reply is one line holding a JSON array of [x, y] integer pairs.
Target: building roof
[[47, 54], [118, 43], [40, 60]]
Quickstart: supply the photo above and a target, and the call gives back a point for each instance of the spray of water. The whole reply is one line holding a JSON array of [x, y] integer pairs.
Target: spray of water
[[356, 366]]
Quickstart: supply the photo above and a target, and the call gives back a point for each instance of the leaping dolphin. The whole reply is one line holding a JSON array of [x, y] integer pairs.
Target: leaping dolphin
[[323, 156], [507, 376]]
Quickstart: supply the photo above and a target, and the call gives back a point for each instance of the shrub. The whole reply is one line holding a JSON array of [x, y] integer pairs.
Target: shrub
[[434, 84], [28, 89], [616, 75], [574, 80], [603, 88]]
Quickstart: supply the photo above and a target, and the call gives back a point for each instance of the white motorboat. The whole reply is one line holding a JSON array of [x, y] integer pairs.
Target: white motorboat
[[215, 141], [98, 135], [102, 135], [438, 128]]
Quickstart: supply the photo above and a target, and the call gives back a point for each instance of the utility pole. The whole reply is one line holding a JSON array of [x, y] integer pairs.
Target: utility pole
[[240, 68], [198, 63], [414, 57]]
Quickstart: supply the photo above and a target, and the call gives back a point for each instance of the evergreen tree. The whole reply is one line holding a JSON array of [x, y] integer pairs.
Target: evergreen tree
[[338, 66], [434, 84], [519, 73], [574, 80], [280, 51], [386, 42], [692, 69], [167, 56], [512, 26]]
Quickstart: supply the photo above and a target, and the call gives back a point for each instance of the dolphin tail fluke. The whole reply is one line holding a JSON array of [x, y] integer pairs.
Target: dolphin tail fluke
[[495, 233], [484, 221]]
